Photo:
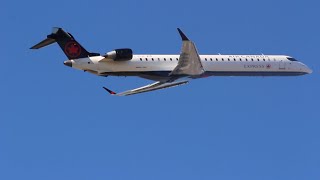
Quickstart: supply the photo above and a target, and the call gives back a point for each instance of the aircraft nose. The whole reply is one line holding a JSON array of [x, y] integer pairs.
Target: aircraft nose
[[308, 70], [68, 63], [304, 68]]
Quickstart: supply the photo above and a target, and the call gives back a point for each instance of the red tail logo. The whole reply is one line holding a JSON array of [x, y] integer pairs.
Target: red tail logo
[[72, 49]]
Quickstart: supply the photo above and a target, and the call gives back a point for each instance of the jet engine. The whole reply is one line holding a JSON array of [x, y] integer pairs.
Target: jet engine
[[120, 55]]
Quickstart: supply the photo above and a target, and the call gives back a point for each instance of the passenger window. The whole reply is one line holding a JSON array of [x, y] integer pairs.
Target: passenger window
[[140, 59], [164, 59], [170, 59]]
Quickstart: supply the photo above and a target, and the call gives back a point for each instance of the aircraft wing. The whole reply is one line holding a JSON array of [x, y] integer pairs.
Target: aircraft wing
[[189, 63], [150, 87]]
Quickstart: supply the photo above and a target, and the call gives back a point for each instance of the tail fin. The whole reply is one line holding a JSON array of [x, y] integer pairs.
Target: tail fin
[[71, 48]]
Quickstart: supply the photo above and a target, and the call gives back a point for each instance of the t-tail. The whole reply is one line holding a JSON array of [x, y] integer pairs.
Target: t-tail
[[71, 48]]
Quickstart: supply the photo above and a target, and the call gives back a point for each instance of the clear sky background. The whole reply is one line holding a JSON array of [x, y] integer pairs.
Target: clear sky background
[[58, 123]]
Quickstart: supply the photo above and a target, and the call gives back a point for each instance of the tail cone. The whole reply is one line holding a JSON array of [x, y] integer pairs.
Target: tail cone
[[68, 63]]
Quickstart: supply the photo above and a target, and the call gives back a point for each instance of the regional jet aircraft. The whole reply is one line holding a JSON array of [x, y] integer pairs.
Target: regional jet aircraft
[[170, 70]]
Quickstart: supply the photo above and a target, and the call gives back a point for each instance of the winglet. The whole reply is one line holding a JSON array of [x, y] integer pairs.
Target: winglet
[[109, 91], [183, 36]]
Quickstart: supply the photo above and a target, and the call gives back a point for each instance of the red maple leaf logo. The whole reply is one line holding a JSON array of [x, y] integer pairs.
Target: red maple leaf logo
[[72, 49]]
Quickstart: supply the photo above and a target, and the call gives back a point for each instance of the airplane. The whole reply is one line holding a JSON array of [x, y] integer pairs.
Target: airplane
[[169, 70]]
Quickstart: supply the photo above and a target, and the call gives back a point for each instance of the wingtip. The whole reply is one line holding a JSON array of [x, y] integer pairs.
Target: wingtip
[[183, 36], [109, 91]]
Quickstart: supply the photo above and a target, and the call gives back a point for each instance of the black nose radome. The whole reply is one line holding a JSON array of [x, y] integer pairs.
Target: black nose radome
[[68, 63]]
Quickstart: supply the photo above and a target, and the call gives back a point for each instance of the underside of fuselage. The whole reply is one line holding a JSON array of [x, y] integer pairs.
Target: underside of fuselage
[[164, 75]]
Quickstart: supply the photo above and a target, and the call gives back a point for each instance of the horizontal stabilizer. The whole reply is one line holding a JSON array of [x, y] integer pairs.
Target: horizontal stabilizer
[[43, 43]]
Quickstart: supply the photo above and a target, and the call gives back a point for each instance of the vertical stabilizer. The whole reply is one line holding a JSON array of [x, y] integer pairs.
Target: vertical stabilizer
[[71, 48]]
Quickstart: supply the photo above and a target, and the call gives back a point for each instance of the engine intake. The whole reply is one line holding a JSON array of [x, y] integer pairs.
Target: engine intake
[[120, 55]]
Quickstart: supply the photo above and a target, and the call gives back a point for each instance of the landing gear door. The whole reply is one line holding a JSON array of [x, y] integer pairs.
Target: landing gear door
[[282, 65]]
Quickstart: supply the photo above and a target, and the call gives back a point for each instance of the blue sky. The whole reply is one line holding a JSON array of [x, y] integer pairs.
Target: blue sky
[[58, 123]]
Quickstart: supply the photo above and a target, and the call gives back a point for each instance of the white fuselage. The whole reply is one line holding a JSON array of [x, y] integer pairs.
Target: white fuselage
[[214, 65]]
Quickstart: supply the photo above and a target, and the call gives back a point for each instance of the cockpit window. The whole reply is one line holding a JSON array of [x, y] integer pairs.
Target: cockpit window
[[291, 59]]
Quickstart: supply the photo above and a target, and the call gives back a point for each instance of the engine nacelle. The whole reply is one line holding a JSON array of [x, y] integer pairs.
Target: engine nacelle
[[120, 55]]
